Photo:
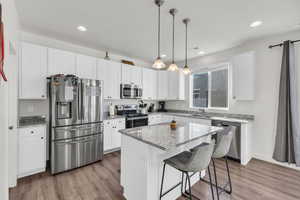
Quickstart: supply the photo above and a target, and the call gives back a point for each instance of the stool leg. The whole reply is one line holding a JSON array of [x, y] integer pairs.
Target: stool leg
[[162, 181], [216, 180], [228, 174], [190, 189], [181, 183], [211, 184]]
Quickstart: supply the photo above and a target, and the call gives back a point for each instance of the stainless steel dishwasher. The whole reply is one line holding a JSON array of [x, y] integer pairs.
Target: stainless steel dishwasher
[[235, 148]]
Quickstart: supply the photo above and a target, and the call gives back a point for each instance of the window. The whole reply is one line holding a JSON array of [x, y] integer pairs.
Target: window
[[209, 89]]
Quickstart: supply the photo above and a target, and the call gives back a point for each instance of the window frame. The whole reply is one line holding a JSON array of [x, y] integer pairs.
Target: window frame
[[208, 70]]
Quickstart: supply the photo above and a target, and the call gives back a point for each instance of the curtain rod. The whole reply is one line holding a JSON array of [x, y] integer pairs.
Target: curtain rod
[[276, 45]]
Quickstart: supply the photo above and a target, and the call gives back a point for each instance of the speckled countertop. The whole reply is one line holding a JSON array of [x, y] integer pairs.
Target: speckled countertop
[[163, 137], [242, 118]]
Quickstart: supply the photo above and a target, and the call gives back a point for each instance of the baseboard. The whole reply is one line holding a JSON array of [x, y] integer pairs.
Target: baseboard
[[270, 160]]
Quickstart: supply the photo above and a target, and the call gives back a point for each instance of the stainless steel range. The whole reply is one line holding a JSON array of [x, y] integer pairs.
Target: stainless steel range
[[133, 117], [76, 127]]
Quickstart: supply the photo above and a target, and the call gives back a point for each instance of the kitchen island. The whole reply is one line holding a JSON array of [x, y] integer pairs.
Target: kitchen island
[[143, 150]]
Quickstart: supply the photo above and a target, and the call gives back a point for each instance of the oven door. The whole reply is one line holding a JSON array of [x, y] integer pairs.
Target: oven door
[[136, 122]]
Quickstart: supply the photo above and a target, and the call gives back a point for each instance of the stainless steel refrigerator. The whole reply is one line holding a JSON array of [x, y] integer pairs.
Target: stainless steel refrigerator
[[76, 122]]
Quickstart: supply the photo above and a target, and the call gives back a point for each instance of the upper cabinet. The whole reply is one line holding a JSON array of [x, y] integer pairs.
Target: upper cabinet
[[176, 86], [149, 84], [33, 72], [86, 67], [170, 85], [61, 62], [162, 85], [131, 75], [110, 73], [244, 76]]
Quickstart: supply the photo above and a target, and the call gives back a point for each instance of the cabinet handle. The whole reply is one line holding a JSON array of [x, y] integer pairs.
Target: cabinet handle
[[32, 132], [11, 127], [42, 137], [43, 96]]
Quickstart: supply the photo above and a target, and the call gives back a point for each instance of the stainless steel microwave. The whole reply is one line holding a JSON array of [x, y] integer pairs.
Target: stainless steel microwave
[[130, 91]]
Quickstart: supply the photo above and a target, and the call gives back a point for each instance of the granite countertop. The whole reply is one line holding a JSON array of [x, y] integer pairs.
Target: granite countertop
[[163, 137], [209, 115]]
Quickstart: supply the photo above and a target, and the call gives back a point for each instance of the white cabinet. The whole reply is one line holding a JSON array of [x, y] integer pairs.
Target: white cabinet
[[112, 136], [86, 67], [32, 150], [33, 72], [131, 75], [149, 84], [243, 66], [176, 81], [162, 85], [61, 62], [110, 73]]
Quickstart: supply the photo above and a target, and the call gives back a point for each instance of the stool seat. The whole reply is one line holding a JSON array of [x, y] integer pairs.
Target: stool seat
[[179, 161], [189, 161]]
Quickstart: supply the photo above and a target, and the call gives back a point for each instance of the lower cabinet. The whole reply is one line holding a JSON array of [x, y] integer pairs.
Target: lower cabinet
[[32, 150], [112, 136]]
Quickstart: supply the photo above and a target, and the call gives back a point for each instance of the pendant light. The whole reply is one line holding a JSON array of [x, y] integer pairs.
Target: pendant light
[[158, 63], [186, 70], [173, 66]]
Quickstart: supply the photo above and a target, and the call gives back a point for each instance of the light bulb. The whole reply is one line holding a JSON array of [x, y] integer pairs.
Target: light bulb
[[186, 70], [158, 64], [173, 67]]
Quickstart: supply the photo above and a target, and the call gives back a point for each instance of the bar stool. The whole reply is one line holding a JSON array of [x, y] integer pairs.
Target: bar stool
[[186, 162], [223, 142]]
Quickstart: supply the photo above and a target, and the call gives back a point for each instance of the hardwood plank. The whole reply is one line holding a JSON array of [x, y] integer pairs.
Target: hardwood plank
[[101, 181]]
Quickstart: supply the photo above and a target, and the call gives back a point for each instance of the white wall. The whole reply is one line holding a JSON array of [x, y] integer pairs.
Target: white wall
[[8, 100], [264, 107]]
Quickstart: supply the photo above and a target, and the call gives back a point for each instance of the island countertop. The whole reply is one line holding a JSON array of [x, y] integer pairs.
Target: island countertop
[[163, 137]]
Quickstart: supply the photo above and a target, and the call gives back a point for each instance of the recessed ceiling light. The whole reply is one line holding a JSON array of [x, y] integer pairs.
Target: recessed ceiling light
[[255, 24], [201, 52], [82, 28], [163, 55]]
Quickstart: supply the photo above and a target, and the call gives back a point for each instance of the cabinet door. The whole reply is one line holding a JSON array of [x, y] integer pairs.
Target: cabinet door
[[162, 86], [115, 79], [61, 62], [147, 83], [33, 72], [86, 67], [110, 73], [116, 135], [244, 76], [176, 86], [126, 74], [136, 76], [32, 150], [107, 141]]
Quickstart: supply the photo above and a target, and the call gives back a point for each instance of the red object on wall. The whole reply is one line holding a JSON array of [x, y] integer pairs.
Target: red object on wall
[[2, 47]]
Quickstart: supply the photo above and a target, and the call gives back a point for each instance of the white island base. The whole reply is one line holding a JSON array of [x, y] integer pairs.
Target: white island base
[[142, 166]]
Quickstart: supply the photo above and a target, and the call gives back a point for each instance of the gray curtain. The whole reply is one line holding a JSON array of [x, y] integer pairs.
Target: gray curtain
[[287, 145]]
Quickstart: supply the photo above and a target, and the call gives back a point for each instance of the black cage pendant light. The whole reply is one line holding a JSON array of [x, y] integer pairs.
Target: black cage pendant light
[[186, 70], [173, 66], [158, 63]]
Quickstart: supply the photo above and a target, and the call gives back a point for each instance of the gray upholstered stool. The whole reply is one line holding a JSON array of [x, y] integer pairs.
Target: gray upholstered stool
[[223, 142], [186, 162]]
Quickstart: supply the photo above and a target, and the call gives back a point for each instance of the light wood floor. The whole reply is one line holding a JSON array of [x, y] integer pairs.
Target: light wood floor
[[100, 181]]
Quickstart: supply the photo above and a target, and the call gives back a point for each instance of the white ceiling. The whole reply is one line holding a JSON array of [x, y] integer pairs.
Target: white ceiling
[[129, 26]]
